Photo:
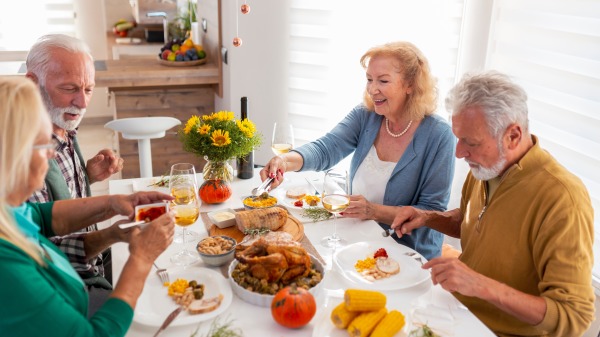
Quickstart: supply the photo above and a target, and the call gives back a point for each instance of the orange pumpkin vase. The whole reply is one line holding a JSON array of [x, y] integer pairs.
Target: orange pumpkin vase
[[293, 307], [215, 191]]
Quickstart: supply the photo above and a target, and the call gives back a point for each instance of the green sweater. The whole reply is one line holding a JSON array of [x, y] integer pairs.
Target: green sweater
[[49, 300], [535, 235]]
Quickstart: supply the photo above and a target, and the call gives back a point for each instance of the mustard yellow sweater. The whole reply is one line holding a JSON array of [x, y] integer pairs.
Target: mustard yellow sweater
[[536, 236]]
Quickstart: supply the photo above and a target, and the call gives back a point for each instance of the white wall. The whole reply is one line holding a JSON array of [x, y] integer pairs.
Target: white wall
[[258, 69]]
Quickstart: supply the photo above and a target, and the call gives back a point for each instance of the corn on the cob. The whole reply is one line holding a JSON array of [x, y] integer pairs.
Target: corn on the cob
[[364, 300], [341, 317], [389, 325], [364, 323], [272, 218]]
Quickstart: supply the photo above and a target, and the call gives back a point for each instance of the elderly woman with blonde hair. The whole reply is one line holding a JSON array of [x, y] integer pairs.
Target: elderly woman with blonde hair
[[403, 154], [46, 295]]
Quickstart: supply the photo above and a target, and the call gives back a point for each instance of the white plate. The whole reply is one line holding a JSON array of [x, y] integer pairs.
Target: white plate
[[411, 273], [154, 304], [325, 328], [282, 199]]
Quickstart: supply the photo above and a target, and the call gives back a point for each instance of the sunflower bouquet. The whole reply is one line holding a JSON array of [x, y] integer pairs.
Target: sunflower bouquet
[[219, 136]]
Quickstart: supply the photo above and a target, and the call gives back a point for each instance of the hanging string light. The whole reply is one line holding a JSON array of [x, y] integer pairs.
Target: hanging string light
[[245, 9]]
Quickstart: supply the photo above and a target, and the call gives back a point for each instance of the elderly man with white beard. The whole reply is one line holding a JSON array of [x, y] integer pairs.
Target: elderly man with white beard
[[63, 69], [526, 224]]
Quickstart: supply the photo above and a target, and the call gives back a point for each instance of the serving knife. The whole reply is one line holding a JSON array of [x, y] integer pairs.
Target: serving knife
[[168, 320]]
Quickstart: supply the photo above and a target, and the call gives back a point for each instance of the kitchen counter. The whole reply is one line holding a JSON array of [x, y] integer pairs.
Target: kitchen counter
[[145, 71]]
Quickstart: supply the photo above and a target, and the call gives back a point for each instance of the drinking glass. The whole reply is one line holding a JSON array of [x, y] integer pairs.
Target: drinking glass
[[283, 138], [186, 206], [335, 199]]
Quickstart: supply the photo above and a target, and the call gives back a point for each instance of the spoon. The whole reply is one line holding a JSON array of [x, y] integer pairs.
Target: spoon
[[262, 188]]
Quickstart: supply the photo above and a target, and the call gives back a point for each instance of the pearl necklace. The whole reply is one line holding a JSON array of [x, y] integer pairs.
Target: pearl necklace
[[396, 135]]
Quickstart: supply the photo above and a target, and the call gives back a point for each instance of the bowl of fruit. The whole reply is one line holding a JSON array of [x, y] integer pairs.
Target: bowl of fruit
[[181, 53]]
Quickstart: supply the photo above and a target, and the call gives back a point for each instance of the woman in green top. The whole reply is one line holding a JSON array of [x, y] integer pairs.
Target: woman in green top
[[41, 294]]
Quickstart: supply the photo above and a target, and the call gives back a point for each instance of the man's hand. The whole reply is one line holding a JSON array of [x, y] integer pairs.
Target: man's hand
[[408, 218], [103, 165], [454, 276]]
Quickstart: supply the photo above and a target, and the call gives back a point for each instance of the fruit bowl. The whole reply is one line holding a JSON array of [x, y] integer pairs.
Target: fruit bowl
[[181, 63]]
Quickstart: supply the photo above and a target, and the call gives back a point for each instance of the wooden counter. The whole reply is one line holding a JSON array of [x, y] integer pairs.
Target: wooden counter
[[146, 71]]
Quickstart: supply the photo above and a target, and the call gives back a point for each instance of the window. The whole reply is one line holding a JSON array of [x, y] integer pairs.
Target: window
[[552, 48], [327, 39], [18, 33]]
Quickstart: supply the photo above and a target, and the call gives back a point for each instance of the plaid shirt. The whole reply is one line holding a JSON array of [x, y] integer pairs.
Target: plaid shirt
[[74, 173]]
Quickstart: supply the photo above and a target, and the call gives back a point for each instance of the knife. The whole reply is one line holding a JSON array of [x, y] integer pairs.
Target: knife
[[168, 320], [313, 186]]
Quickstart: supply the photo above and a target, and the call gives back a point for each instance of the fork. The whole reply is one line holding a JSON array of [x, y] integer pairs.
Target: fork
[[415, 256], [162, 274], [313, 186]]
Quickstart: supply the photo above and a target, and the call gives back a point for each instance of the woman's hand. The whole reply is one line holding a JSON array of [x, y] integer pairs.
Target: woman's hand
[[360, 208], [148, 243], [274, 169]]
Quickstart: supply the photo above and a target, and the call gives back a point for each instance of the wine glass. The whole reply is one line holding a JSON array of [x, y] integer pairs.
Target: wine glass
[[283, 138], [186, 206], [335, 199]]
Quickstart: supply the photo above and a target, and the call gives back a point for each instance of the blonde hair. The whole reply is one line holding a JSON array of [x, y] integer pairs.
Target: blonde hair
[[416, 73], [22, 115]]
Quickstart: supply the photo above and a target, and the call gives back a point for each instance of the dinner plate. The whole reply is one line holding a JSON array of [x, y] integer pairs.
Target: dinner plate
[[410, 275], [154, 304], [282, 199], [324, 327]]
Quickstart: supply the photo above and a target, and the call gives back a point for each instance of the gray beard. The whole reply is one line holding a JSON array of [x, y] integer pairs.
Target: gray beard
[[484, 173], [56, 114]]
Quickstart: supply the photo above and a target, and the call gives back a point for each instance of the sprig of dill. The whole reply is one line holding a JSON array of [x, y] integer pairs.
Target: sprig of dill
[[256, 231], [316, 213], [220, 329]]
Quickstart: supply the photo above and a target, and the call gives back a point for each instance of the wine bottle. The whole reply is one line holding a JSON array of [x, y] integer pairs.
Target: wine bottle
[[245, 164]]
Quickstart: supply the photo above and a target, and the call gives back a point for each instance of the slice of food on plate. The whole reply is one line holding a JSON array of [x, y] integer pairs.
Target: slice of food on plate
[[377, 266], [297, 192], [205, 305]]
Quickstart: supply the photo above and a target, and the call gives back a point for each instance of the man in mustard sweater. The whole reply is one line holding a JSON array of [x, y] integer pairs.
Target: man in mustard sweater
[[525, 222]]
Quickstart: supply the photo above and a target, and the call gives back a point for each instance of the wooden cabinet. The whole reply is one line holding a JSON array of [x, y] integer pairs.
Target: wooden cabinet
[[143, 87]]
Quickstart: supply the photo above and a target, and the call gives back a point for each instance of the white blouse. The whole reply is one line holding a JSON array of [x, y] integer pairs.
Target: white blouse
[[372, 176]]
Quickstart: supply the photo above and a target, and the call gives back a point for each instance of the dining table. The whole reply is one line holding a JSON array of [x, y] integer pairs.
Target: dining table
[[413, 299]]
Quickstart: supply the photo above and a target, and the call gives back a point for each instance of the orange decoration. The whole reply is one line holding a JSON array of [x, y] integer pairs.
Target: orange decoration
[[293, 307], [237, 42], [215, 191], [245, 9]]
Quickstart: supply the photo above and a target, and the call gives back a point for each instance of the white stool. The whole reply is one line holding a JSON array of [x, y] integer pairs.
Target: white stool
[[143, 129]]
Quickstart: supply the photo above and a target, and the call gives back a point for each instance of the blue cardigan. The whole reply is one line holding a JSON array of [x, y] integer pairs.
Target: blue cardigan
[[422, 178]]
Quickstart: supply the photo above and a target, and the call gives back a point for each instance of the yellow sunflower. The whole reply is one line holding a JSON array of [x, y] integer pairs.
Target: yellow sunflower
[[204, 129], [224, 116], [193, 121], [220, 138], [247, 127]]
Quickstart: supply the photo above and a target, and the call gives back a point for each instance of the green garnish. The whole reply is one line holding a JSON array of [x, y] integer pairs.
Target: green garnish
[[316, 213], [423, 331], [218, 329], [256, 231]]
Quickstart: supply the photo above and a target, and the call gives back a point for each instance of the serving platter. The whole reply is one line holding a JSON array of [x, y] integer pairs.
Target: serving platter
[[292, 226], [155, 304]]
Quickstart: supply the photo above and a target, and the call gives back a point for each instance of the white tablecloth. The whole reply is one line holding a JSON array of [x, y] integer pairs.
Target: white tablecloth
[[257, 321]]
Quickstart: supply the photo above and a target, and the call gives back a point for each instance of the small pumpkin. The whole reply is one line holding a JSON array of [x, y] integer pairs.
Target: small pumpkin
[[215, 191], [293, 307]]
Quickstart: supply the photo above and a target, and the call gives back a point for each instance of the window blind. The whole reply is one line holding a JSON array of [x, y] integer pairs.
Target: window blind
[[327, 39], [552, 49], [23, 22]]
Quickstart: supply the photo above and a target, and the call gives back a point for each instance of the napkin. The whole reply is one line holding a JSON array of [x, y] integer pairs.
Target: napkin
[[435, 308]]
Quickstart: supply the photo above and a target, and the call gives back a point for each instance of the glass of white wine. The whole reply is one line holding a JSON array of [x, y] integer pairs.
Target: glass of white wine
[[186, 206], [283, 138], [335, 199]]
